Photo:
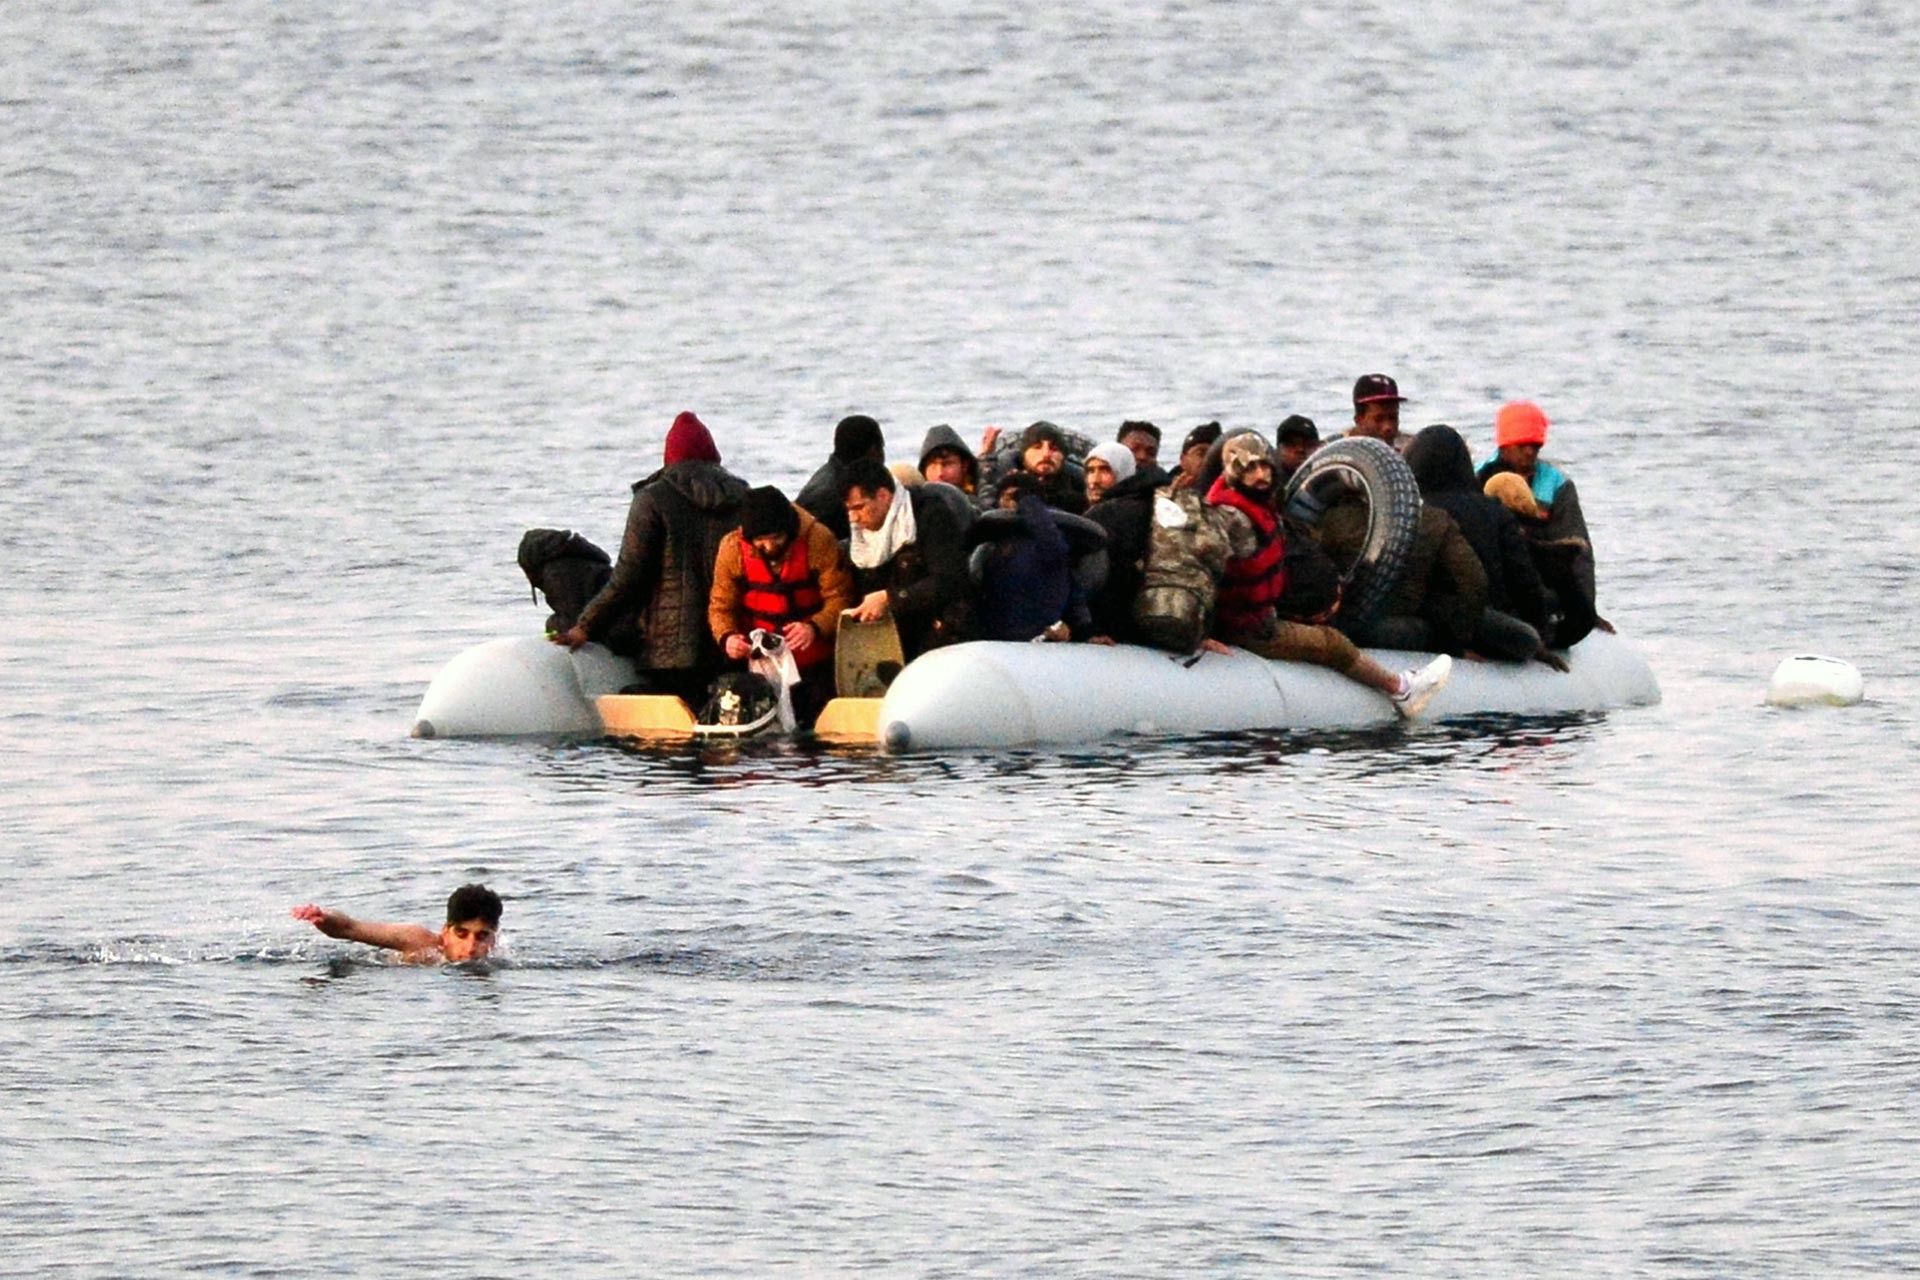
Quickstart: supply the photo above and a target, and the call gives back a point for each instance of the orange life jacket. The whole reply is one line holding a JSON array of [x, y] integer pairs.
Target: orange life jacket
[[1250, 588], [787, 593]]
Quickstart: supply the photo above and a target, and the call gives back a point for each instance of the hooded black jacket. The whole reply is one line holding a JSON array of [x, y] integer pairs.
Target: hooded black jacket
[[945, 437], [664, 573], [824, 496], [1444, 470], [1126, 513]]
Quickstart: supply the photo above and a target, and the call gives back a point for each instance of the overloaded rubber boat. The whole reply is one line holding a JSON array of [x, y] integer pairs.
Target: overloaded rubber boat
[[986, 694], [997, 694]]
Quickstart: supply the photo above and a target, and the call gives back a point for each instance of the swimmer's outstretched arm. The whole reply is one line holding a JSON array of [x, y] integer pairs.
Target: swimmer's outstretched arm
[[405, 938]]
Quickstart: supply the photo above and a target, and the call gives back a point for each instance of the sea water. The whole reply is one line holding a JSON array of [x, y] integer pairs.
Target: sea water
[[310, 310]]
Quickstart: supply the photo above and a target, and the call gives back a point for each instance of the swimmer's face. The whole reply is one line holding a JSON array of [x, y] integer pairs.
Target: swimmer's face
[[467, 940]]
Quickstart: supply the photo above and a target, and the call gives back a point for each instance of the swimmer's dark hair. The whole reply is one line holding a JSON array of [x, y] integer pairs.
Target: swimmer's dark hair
[[474, 902]]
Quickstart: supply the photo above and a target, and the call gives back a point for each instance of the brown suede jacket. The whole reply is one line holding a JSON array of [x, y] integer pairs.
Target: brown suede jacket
[[726, 615]]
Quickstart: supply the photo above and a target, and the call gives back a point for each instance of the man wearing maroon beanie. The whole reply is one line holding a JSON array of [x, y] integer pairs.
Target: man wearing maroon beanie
[[688, 440], [664, 574]]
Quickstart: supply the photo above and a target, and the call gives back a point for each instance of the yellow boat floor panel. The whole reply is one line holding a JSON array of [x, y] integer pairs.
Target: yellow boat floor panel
[[644, 715], [661, 717], [849, 720]]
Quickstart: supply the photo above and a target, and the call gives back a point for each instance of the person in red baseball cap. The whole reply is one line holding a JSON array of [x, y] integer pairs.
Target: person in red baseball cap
[[664, 573], [1376, 408]]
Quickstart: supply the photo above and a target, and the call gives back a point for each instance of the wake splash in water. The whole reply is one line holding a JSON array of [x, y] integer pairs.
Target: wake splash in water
[[336, 961]]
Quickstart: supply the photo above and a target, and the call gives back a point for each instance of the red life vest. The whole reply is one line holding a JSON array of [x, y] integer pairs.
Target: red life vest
[[789, 593], [1250, 588]]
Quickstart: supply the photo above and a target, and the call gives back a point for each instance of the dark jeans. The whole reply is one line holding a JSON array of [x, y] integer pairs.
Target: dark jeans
[[1495, 635], [1396, 631], [1503, 636]]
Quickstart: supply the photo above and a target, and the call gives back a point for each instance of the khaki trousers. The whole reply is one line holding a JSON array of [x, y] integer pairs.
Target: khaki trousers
[[1299, 642]]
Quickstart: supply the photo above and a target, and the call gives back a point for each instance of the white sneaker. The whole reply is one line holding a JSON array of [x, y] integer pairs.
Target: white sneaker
[[1422, 685]]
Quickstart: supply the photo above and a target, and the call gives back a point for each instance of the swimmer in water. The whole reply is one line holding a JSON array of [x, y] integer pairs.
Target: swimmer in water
[[473, 924]]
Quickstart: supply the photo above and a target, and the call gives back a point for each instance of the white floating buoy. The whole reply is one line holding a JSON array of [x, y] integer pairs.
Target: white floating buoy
[[1810, 680]]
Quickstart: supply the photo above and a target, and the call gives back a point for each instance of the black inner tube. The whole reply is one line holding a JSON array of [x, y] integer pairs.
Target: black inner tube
[[1367, 467]]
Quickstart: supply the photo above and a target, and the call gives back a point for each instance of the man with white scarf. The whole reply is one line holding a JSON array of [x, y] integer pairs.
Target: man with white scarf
[[909, 553]]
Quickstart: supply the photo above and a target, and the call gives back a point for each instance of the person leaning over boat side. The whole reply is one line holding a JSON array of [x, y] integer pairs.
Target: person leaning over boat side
[[1193, 454], [1026, 578], [664, 574], [856, 436], [1255, 581], [1143, 442], [945, 459], [1509, 626], [1376, 408], [909, 553], [1519, 433], [1294, 442], [782, 571], [1123, 506]]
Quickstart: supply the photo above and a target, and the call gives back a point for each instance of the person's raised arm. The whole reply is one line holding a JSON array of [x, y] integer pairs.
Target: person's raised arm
[[404, 938]]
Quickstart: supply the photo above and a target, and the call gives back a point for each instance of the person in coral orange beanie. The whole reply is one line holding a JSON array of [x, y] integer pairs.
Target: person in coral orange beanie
[[1519, 433]]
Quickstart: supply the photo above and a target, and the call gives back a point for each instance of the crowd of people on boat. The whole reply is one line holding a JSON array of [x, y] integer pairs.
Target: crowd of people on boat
[[1049, 535]]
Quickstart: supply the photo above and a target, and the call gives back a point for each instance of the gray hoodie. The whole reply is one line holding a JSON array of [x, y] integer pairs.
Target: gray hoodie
[[945, 437]]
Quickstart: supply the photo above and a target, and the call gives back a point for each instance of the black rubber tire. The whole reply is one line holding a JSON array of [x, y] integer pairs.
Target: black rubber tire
[[1393, 516], [1005, 458]]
